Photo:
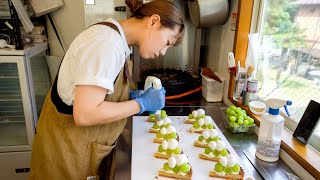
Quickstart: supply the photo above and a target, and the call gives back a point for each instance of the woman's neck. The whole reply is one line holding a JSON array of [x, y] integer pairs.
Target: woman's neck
[[132, 29]]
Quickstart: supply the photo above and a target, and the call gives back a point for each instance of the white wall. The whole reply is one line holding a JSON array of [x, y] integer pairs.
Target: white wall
[[220, 42]]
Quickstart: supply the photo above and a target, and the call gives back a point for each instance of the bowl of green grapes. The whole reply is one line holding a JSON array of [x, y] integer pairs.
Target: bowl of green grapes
[[238, 120]]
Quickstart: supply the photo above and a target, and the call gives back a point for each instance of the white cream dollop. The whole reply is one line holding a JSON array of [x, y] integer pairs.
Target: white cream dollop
[[159, 122], [201, 121], [231, 160], [158, 112], [173, 144], [223, 161], [163, 131], [164, 144], [213, 133], [172, 162], [201, 112], [166, 120], [181, 159], [220, 145], [205, 134], [207, 120], [171, 129], [212, 145], [194, 113]]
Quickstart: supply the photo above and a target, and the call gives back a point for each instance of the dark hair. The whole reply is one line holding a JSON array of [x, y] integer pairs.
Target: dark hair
[[168, 12]]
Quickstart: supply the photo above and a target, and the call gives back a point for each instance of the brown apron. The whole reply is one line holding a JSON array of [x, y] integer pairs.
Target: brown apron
[[62, 150]]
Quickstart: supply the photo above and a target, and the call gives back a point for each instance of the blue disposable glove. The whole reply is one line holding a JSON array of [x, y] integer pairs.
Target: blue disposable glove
[[135, 94], [151, 100]]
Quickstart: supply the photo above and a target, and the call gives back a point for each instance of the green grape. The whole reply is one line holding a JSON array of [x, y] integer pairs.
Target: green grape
[[166, 136], [210, 126], [238, 110], [232, 118], [240, 121], [218, 167], [176, 151], [215, 138], [196, 125], [152, 116], [163, 114], [224, 152], [228, 115], [208, 140], [231, 124], [236, 115], [207, 150], [228, 110], [200, 138], [240, 117], [233, 107], [235, 125], [232, 112], [155, 126], [246, 122], [172, 135], [244, 112], [185, 167], [228, 170], [160, 149], [251, 121], [204, 126], [190, 116], [169, 151], [247, 117], [167, 125], [166, 167], [176, 169], [240, 114], [197, 118], [159, 135], [216, 152], [236, 168], [203, 116]]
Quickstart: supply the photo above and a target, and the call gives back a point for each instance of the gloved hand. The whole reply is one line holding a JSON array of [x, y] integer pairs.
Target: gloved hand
[[151, 100], [135, 94]]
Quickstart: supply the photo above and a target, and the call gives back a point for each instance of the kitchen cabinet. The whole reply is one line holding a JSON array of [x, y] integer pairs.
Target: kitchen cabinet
[[24, 83]]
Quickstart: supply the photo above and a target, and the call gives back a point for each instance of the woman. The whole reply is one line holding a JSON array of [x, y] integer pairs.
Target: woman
[[86, 109]]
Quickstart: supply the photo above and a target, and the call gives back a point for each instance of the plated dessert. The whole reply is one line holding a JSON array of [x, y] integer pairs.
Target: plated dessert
[[167, 149], [195, 116], [206, 137], [165, 122], [214, 151], [176, 167], [166, 134], [202, 124], [227, 168], [160, 114]]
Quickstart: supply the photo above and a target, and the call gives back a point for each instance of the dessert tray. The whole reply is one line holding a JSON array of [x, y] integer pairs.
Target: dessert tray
[[145, 165]]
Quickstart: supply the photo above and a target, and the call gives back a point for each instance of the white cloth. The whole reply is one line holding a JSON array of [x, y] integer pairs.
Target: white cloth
[[95, 57]]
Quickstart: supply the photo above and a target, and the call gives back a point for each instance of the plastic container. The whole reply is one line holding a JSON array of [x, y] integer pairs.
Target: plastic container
[[240, 128], [212, 90], [271, 126]]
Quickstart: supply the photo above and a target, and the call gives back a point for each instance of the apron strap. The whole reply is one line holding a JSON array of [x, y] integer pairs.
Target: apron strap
[[57, 101]]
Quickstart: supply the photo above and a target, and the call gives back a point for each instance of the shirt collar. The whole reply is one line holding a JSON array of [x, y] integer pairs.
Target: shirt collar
[[124, 40]]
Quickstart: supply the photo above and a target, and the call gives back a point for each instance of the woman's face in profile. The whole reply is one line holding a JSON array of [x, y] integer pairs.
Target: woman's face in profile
[[157, 40]]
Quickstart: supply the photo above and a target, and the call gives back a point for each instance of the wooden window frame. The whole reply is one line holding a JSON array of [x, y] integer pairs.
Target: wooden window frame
[[306, 156]]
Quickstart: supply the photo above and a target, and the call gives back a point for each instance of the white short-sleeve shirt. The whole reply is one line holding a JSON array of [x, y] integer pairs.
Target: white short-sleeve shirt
[[95, 57]]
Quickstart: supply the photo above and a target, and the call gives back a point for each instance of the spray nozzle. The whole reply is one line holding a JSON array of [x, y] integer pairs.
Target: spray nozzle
[[276, 104]]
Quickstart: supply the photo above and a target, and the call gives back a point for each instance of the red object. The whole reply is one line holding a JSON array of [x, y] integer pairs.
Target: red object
[[184, 94]]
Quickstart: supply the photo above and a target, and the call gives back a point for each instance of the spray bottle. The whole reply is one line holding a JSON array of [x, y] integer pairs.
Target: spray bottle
[[271, 126]]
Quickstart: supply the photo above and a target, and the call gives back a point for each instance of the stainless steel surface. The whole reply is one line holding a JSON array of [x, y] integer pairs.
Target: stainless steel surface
[[262, 172], [239, 142], [207, 13]]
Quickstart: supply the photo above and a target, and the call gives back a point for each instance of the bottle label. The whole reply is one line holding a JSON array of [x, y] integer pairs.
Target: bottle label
[[268, 148]]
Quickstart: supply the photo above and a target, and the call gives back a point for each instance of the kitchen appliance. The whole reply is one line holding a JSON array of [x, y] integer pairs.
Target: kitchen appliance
[[24, 84]]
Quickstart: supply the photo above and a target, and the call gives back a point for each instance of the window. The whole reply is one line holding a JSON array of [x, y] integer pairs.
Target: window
[[289, 55]]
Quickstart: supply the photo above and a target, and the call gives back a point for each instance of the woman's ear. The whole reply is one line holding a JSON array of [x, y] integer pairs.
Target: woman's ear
[[154, 21]]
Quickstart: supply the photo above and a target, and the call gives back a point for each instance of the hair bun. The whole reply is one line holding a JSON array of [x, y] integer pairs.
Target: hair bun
[[134, 5]]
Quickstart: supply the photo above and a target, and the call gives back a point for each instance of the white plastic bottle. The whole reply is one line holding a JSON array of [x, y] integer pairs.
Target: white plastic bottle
[[271, 126]]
